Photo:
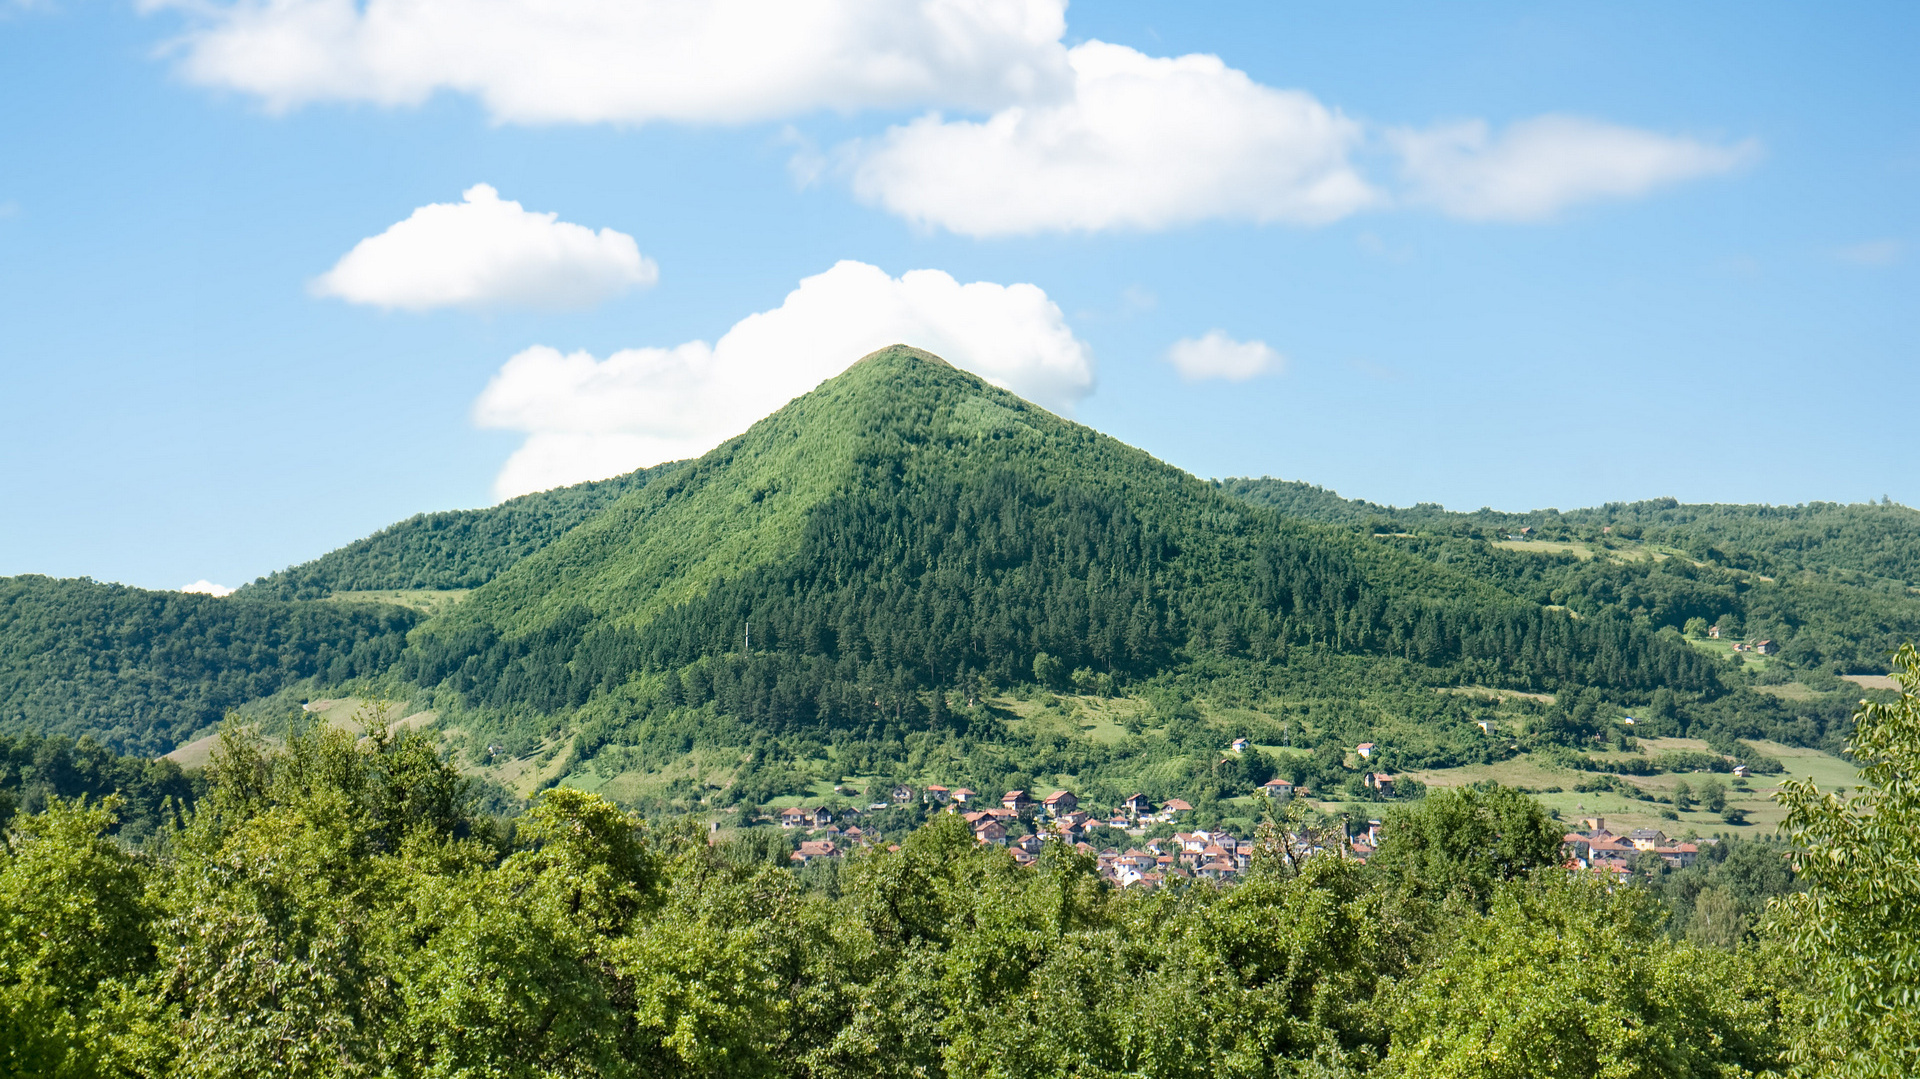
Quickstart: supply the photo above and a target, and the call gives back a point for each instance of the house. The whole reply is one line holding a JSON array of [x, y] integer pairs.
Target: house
[[820, 816], [1281, 789], [1765, 648], [1679, 855], [1714, 632], [1239, 745], [1380, 781], [1526, 530], [794, 817], [937, 794], [1216, 870], [1136, 805], [1061, 802], [1646, 838], [962, 796], [1017, 801], [903, 794], [823, 848], [1030, 843], [1612, 847], [1741, 771], [1365, 749], [990, 831], [1174, 807], [1486, 726], [1023, 858]]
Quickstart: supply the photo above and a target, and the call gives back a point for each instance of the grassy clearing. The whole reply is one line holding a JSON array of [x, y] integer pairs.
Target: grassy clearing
[[1103, 719], [1581, 551], [1622, 812], [1524, 770], [1724, 650], [1494, 696], [344, 713], [425, 600], [1872, 681]]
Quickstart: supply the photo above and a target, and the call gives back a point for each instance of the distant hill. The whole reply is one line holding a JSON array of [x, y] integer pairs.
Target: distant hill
[[907, 528], [856, 575], [452, 549], [1875, 539], [140, 671]]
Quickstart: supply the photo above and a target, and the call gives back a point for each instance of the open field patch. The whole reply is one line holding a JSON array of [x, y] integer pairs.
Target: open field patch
[[428, 601]]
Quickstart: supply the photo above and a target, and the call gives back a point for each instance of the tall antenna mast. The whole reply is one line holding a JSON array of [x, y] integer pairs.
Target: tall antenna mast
[[749, 636]]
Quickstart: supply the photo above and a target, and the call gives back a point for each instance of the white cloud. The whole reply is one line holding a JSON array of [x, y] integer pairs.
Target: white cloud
[[629, 61], [487, 252], [1143, 142], [206, 587], [1537, 167], [588, 418], [1218, 356], [1872, 253]]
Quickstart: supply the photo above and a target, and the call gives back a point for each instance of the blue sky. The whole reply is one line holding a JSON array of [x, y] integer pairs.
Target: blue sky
[[1727, 313]]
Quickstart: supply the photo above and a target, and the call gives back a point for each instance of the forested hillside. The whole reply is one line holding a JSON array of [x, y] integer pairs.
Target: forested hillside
[[452, 549], [1825, 582], [907, 538], [907, 530], [1873, 539], [140, 671]]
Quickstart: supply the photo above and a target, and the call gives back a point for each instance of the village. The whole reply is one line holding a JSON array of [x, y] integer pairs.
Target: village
[[1024, 824]]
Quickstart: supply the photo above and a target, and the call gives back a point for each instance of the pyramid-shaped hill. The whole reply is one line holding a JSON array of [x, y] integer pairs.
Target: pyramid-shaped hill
[[907, 526]]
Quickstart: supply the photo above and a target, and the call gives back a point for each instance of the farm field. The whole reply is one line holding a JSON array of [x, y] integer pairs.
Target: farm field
[[1541, 777]]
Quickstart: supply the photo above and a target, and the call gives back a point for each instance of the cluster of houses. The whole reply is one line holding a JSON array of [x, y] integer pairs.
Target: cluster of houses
[[1201, 854], [1600, 850], [1764, 648], [1058, 816]]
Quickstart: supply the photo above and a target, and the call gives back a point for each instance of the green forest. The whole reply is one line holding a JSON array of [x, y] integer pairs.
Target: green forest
[[451, 549], [143, 671], [339, 906]]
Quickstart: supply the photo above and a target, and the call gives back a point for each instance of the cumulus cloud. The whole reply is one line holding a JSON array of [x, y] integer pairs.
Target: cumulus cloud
[[629, 61], [207, 588], [1216, 355], [1537, 167], [486, 251], [1142, 142], [589, 418]]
